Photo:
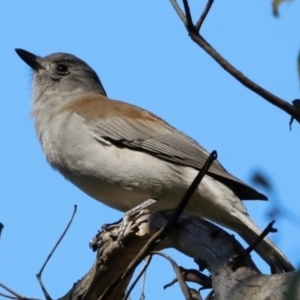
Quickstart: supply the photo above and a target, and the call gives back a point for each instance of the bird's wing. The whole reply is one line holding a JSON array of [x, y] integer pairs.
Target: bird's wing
[[125, 125]]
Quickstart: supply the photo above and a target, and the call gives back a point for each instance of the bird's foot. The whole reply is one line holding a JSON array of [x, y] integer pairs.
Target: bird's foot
[[118, 228], [129, 215]]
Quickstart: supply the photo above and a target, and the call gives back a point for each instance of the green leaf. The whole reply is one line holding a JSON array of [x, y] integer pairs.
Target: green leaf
[[275, 6]]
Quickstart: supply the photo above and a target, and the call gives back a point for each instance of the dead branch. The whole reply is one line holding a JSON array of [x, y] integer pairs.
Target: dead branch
[[39, 274], [194, 33], [192, 236]]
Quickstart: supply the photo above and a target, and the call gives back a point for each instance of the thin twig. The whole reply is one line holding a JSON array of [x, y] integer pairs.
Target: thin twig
[[17, 296], [160, 234], [203, 15], [178, 11], [238, 75], [296, 104], [39, 274], [148, 260], [184, 288], [11, 291], [238, 259], [7, 296], [264, 233], [189, 22], [143, 286], [193, 276], [1, 227]]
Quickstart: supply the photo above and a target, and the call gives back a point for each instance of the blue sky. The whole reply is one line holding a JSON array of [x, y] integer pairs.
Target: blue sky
[[143, 55]]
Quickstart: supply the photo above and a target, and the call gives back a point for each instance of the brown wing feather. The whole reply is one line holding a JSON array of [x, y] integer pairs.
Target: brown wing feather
[[129, 126]]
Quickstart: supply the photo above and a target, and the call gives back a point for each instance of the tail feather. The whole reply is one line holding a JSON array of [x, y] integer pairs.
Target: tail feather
[[266, 248]]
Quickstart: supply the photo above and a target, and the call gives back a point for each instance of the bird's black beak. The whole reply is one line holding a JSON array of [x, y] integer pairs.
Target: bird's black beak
[[30, 59]]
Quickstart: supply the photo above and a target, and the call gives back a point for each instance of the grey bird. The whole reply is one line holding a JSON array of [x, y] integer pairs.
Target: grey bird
[[122, 155]]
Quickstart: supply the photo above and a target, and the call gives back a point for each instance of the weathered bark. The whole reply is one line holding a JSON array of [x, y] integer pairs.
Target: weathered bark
[[192, 236]]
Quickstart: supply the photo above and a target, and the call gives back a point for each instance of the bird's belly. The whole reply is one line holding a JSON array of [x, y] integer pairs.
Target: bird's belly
[[122, 178]]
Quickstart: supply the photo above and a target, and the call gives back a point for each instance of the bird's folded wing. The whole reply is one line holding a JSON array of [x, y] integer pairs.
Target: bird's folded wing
[[126, 125]]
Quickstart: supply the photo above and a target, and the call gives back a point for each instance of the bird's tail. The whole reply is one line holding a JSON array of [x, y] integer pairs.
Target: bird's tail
[[266, 248]]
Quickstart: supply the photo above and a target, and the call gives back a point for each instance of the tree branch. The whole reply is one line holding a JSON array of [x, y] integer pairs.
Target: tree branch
[[193, 31], [191, 236]]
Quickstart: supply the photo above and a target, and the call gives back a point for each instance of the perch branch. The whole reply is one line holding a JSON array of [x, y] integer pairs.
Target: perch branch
[[192, 236]]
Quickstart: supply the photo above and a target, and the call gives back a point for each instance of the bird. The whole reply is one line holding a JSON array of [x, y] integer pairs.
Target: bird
[[123, 155]]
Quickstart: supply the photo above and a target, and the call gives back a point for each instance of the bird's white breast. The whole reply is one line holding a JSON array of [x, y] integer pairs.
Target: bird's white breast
[[120, 177]]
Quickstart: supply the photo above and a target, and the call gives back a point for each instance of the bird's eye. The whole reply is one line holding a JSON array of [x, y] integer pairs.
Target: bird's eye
[[62, 69]]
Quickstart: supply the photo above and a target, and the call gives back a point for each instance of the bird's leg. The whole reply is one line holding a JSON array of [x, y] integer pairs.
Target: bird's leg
[[130, 214]]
